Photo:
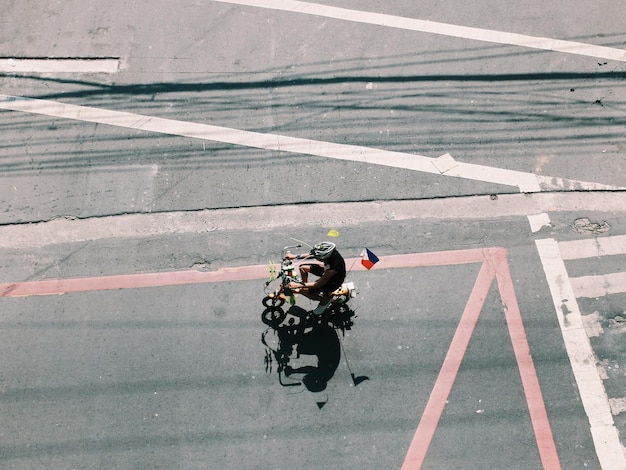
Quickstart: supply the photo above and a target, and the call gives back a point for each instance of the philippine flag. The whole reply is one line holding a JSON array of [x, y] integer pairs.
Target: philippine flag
[[368, 259]]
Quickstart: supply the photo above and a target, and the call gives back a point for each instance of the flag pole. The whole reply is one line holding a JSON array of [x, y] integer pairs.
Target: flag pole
[[353, 263]]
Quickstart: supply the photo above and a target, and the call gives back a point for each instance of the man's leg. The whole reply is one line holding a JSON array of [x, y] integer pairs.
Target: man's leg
[[312, 268], [326, 297], [324, 302], [305, 269], [316, 270], [312, 295]]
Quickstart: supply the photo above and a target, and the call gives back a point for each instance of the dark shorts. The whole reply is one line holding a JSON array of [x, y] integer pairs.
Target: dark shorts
[[333, 283]]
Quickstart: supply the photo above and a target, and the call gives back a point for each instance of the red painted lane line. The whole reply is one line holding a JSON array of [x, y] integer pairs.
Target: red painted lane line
[[241, 273], [528, 373], [131, 281], [495, 266], [439, 395], [435, 258]]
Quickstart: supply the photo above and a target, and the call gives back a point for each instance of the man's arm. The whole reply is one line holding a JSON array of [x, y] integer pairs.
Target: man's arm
[[290, 255]]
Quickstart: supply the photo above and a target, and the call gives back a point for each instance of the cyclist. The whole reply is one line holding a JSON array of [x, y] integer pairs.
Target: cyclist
[[330, 275]]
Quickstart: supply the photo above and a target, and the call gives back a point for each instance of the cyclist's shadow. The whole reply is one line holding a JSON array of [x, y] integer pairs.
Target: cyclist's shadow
[[320, 340], [302, 334]]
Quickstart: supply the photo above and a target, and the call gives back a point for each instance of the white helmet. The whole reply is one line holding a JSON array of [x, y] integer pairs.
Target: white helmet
[[323, 250]]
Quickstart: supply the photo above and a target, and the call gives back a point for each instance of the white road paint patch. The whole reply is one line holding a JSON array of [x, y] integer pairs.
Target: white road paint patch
[[445, 163], [433, 27], [17, 65], [618, 405], [526, 182], [593, 325], [593, 396], [538, 221]]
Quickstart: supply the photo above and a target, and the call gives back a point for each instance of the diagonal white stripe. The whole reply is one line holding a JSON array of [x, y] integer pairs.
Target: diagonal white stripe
[[380, 19], [526, 182]]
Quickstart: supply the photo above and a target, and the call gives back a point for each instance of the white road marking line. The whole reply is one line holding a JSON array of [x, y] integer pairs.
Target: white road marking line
[[478, 34], [593, 327], [593, 396], [618, 405], [17, 65], [526, 182], [593, 247], [599, 285]]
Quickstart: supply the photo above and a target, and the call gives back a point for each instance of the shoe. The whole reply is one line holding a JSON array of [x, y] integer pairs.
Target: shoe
[[320, 308]]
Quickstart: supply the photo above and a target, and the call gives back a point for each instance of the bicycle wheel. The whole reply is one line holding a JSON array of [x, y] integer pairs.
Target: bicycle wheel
[[273, 316], [273, 300]]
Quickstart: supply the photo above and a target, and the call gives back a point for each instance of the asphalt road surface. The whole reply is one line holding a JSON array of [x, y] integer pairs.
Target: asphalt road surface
[[155, 157]]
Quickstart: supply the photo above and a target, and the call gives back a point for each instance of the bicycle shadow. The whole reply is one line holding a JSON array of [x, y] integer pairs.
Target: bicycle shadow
[[296, 333]]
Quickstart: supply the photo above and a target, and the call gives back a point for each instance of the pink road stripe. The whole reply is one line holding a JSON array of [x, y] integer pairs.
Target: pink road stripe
[[435, 258], [131, 281], [451, 364], [495, 265], [241, 273], [528, 373]]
